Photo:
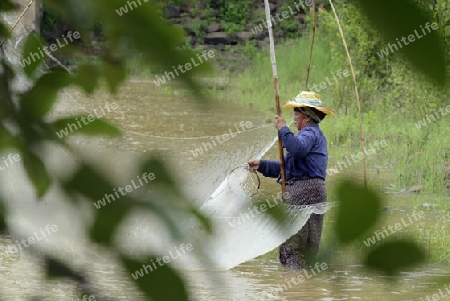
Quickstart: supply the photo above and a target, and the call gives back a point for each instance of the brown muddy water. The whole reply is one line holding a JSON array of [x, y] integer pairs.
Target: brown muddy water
[[185, 134]]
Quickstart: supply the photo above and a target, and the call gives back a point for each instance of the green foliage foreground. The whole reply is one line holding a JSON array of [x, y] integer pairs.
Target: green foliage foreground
[[142, 31]]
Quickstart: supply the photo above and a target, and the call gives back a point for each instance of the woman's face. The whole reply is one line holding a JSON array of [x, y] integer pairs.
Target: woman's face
[[300, 120]]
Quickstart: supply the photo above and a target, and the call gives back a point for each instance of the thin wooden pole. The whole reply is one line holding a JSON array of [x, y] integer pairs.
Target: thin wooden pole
[[37, 18], [18, 20], [277, 96], [356, 90], [312, 43]]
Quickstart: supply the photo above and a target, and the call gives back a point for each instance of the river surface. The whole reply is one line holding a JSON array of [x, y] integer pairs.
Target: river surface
[[184, 134]]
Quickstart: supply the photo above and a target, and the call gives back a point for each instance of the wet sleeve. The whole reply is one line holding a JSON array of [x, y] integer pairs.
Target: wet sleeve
[[269, 169], [298, 146]]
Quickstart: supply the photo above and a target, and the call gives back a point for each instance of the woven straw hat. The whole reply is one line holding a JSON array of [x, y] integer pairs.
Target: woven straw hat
[[307, 99]]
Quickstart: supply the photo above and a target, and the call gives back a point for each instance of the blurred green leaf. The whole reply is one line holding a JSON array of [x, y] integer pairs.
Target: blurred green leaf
[[7, 140], [3, 213], [6, 79], [115, 73], [4, 32], [7, 5], [203, 219], [391, 257], [57, 269], [89, 183], [401, 18], [109, 218], [169, 192], [160, 208], [37, 172], [161, 283], [162, 174], [87, 78], [32, 55], [357, 212], [95, 127], [40, 99]]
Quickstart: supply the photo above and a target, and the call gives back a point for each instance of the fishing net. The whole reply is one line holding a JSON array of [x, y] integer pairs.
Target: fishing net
[[243, 182], [243, 229]]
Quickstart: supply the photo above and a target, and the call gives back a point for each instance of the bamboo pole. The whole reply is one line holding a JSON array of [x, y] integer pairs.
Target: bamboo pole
[[356, 90], [18, 20], [312, 43], [277, 96]]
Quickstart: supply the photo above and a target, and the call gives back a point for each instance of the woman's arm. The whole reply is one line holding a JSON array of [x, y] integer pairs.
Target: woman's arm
[[298, 146], [269, 168]]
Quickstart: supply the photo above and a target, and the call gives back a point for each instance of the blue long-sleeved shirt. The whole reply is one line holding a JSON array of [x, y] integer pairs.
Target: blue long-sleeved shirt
[[307, 154]]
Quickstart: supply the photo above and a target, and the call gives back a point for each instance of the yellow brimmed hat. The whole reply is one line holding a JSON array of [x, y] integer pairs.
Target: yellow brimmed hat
[[307, 99]]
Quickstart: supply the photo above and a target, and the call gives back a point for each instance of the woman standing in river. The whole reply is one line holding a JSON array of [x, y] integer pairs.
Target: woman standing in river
[[305, 167]]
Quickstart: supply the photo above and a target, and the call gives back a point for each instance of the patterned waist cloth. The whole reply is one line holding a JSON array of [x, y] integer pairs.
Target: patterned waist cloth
[[307, 191], [293, 180]]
